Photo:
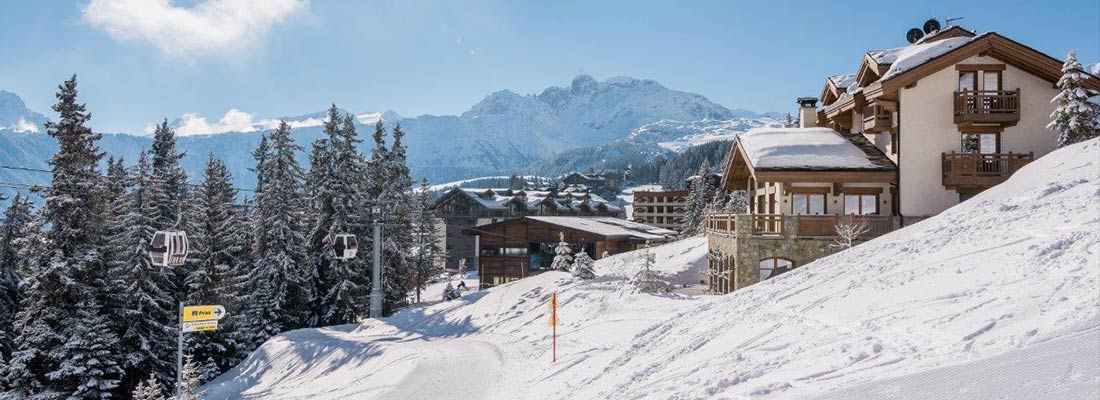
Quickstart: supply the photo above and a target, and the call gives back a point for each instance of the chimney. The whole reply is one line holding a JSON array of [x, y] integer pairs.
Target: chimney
[[807, 112]]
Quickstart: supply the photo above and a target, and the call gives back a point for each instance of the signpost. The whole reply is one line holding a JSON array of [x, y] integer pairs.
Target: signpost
[[554, 326], [194, 319]]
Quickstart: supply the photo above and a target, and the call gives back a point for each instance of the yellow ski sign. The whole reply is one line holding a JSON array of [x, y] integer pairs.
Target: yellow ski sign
[[203, 313]]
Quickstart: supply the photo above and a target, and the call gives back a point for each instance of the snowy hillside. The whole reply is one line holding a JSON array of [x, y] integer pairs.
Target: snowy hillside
[[994, 298]]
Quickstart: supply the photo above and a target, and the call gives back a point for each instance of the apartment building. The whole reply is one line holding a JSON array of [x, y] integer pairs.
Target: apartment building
[[660, 208], [915, 130]]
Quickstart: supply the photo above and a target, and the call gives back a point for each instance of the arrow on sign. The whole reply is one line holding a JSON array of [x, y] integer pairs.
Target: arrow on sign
[[203, 313]]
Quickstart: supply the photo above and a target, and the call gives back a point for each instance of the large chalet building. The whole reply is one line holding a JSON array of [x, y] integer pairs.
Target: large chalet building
[[913, 131], [461, 209]]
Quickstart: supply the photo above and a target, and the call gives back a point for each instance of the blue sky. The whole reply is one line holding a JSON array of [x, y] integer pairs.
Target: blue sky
[[276, 57]]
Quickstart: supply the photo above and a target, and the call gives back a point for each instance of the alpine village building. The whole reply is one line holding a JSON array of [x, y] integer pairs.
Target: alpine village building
[[522, 247], [915, 130], [460, 209], [660, 208]]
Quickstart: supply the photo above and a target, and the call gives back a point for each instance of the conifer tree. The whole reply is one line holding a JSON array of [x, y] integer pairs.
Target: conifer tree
[[60, 348], [15, 228], [648, 280], [397, 199], [563, 259], [1074, 118], [426, 251], [583, 266], [279, 289], [337, 200], [144, 309], [216, 234], [169, 180], [698, 199], [149, 389]]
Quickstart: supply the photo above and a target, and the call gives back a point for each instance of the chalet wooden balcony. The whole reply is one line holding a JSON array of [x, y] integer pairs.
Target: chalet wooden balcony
[[987, 107], [797, 226], [877, 119], [980, 171]]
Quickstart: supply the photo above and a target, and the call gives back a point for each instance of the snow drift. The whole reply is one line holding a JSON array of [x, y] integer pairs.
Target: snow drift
[[994, 298]]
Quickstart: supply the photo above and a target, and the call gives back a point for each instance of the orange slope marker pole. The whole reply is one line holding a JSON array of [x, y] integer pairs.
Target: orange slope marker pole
[[554, 326]]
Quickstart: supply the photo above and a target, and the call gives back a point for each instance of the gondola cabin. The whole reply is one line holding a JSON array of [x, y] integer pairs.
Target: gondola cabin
[[345, 246], [169, 248]]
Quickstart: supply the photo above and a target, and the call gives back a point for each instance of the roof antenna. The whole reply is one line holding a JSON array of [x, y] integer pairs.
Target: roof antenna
[[949, 20]]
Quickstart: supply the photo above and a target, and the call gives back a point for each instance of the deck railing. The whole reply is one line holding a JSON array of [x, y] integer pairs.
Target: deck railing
[[987, 106], [806, 226], [877, 118], [981, 170]]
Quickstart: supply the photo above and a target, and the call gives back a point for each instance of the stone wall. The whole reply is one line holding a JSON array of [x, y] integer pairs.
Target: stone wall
[[747, 250]]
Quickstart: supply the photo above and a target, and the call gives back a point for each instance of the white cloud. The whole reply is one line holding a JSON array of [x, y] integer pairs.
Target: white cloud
[[24, 126], [189, 124], [236, 120], [212, 27]]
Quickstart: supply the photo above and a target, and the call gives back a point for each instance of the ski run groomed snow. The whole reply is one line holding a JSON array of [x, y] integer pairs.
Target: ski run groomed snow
[[996, 298]]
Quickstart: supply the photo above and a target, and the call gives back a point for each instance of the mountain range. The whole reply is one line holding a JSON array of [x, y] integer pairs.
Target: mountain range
[[586, 123]]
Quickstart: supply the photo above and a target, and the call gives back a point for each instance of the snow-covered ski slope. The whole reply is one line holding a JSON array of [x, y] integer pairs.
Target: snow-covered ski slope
[[997, 298]]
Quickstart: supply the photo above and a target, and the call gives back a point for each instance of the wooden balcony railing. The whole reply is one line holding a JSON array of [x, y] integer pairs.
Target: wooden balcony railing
[[804, 226], [987, 107], [962, 170], [721, 223], [877, 118], [767, 224]]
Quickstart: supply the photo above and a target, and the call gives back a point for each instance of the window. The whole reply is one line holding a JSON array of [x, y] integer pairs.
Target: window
[[772, 267], [861, 204], [807, 204], [968, 81], [513, 251], [979, 143], [991, 80]]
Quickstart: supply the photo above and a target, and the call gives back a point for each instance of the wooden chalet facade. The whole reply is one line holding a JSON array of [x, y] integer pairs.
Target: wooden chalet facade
[[521, 247], [937, 122]]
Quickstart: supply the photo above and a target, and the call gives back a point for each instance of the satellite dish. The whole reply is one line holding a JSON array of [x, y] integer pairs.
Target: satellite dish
[[931, 25], [914, 35]]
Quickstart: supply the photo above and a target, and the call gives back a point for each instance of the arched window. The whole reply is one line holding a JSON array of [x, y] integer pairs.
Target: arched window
[[772, 267]]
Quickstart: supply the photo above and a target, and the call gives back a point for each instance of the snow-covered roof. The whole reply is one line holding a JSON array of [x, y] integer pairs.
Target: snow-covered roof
[[885, 56], [807, 148], [612, 228], [843, 81], [914, 55]]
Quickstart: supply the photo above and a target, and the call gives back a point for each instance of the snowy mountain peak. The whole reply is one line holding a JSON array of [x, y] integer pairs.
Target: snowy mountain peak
[[15, 116]]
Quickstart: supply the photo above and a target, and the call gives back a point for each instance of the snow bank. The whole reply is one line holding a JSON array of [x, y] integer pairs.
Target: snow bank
[[994, 298], [810, 148]]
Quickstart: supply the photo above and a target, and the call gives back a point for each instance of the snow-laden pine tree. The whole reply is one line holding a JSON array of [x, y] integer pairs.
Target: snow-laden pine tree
[[142, 306], [450, 292], [336, 207], [1074, 117], [397, 198], [63, 346], [648, 280], [149, 389], [279, 291], [190, 380], [738, 202], [563, 255], [15, 228], [426, 252], [169, 187], [583, 266], [216, 235], [169, 192], [699, 198]]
